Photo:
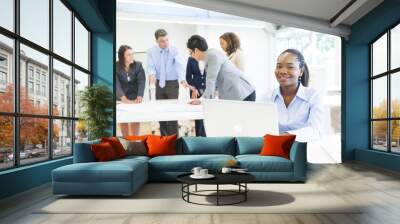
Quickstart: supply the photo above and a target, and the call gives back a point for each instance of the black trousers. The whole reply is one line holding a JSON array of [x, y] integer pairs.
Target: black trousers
[[199, 124], [199, 128], [251, 97], [170, 91]]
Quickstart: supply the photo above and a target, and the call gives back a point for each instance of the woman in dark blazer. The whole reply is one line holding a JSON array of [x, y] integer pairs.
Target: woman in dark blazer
[[130, 84]]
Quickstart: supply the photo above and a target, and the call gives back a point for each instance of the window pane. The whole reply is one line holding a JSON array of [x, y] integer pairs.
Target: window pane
[[7, 14], [379, 97], [395, 138], [395, 94], [35, 21], [34, 72], [62, 89], [62, 29], [6, 142], [33, 139], [62, 138], [379, 135], [81, 45], [6, 74], [81, 81], [81, 131], [395, 47], [379, 55]]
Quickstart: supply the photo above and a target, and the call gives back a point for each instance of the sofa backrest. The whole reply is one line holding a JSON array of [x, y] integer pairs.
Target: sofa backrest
[[207, 145], [249, 145], [190, 146], [83, 152]]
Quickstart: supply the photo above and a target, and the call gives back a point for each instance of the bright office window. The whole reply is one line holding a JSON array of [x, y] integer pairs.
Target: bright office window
[[38, 125], [385, 95]]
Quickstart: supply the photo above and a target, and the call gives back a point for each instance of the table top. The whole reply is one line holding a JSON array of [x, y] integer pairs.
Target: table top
[[158, 110], [220, 178]]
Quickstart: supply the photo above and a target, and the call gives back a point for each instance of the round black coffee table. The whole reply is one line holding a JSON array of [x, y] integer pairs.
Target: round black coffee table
[[238, 179]]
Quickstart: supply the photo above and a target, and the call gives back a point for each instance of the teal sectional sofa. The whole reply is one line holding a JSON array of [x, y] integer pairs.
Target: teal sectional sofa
[[125, 176]]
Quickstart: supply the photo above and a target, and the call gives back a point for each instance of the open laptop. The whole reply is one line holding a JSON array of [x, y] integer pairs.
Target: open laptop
[[239, 118]]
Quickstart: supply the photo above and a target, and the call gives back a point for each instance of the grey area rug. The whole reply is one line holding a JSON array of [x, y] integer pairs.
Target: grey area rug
[[166, 198]]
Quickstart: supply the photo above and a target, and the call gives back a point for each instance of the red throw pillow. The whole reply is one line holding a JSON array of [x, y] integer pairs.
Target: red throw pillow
[[116, 145], [277, 145], [161, 145], [103, 152]]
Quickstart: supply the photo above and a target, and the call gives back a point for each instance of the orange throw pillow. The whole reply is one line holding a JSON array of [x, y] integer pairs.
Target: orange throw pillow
[[103, 152], [116, 145], [277, 145], [161, 145], [136, 138]]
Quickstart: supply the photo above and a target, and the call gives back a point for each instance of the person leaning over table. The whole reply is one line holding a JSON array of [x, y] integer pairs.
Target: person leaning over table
[[222, 74], [197, 82], [300, 108], [130, 84]]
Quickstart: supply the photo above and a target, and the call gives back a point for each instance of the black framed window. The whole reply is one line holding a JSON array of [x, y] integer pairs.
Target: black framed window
[[385, 94], [41, 75]]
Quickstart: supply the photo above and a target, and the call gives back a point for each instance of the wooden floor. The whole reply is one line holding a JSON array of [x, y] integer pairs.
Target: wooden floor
[[378, 188]]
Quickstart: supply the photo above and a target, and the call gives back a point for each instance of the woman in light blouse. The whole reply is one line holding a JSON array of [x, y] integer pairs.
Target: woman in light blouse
[[300, 108], [230, 43]]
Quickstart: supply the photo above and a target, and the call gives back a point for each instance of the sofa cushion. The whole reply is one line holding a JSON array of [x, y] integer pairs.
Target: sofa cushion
[[249, 145], [112, 171], [257, 163], [161, 145], [137, 137], [116, 145], [103, 152], [185, 163], [134, 147], [208, 145], [277, 145], [129, 159], [83, 152]]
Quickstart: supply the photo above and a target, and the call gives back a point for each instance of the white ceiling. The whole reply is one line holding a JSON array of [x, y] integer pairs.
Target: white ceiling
[[321, 9], [315, 15]]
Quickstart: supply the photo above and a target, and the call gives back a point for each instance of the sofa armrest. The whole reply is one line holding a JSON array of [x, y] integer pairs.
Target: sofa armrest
[[83, 152], [298, 155]]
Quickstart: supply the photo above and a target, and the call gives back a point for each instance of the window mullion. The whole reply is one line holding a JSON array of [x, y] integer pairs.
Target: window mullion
[[50, 81], [389, 105], [16, 84], [371, 141], [73, 82]]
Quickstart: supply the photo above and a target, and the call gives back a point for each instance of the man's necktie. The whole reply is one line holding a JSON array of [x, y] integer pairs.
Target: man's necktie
[[162, 69]]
